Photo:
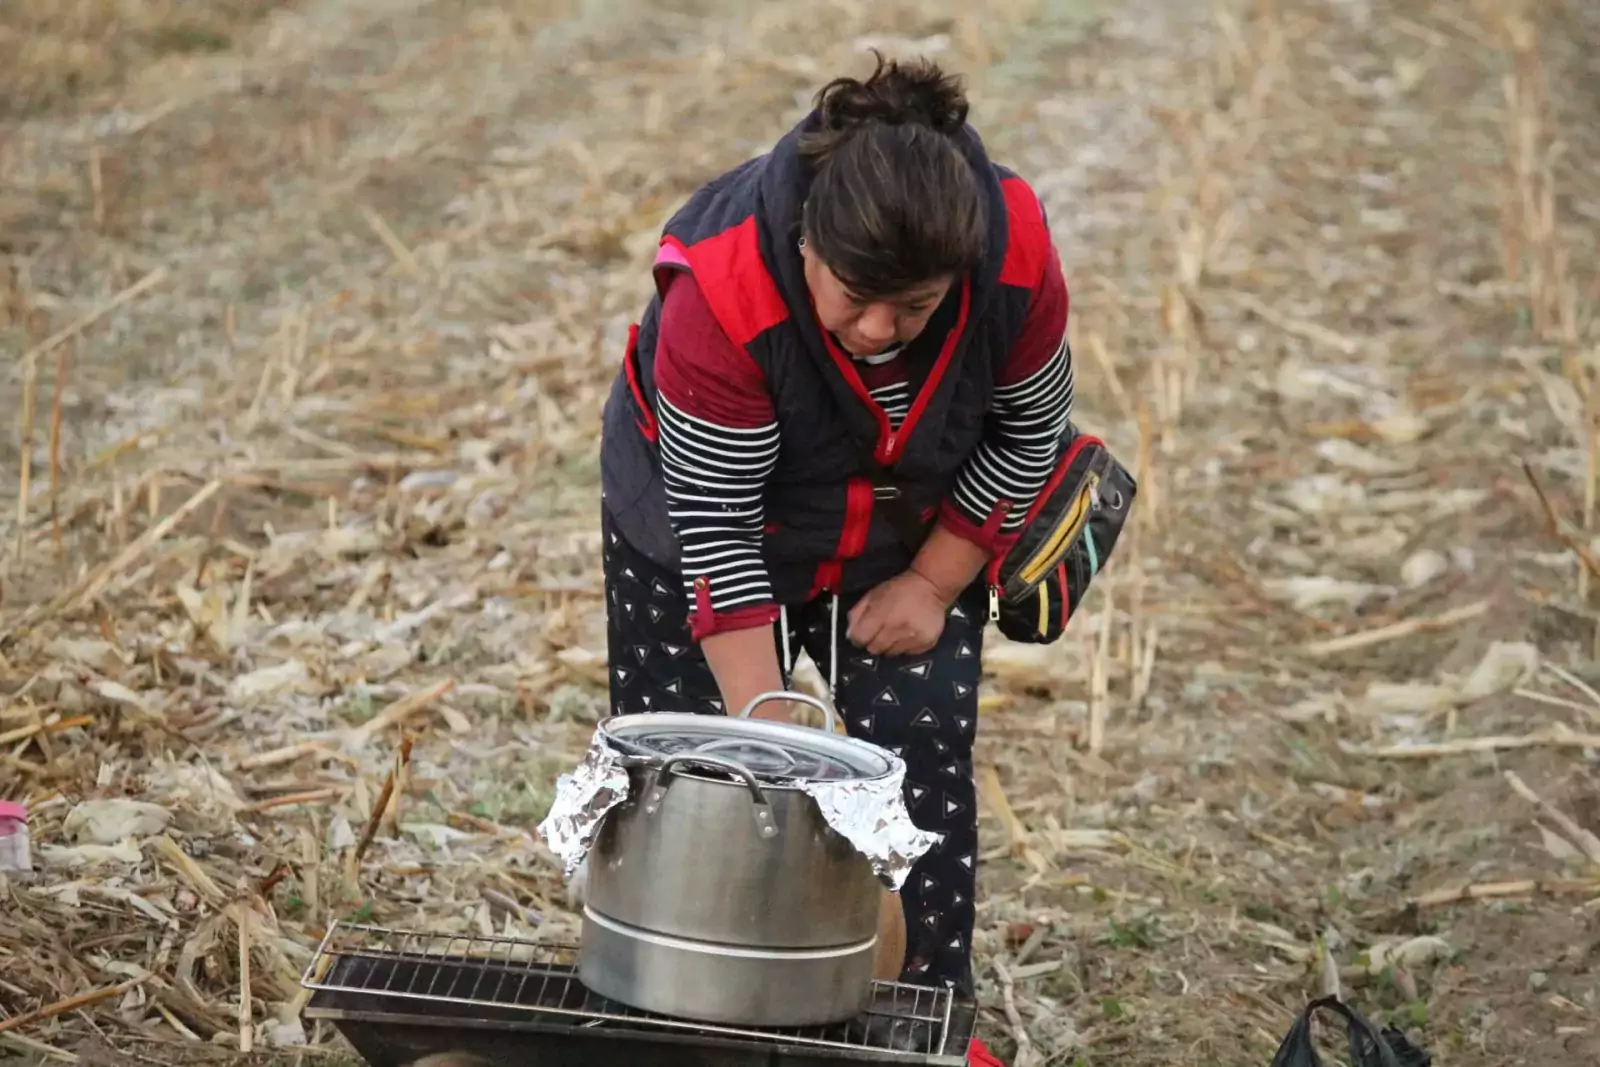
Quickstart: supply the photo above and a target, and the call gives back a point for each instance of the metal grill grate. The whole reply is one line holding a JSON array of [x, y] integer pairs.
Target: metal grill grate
[[501, 974]]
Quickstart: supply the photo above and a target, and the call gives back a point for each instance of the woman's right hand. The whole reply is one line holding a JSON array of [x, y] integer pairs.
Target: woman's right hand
[[745, 664]]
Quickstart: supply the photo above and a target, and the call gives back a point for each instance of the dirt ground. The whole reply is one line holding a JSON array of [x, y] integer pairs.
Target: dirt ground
[[333, 290]]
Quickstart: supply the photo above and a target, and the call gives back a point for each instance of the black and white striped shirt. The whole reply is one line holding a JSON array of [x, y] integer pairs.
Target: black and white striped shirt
[[719, 441]]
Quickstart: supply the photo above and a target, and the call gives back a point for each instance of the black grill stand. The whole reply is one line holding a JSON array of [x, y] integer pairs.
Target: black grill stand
[[399, 995]]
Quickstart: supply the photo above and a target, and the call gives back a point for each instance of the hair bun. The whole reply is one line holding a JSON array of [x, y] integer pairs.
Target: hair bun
[[897, 93]]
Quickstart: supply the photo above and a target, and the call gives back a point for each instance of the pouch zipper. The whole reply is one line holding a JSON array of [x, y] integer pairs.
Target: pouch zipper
[[1062, 466], [1044, 559]]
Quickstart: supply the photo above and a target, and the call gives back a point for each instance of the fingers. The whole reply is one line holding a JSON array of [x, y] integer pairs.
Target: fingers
[[886, 622], [865, 620], [900, 639], [861, 607], [868, 632]]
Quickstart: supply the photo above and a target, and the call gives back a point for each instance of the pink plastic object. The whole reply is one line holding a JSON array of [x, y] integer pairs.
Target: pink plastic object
[[14, 852]]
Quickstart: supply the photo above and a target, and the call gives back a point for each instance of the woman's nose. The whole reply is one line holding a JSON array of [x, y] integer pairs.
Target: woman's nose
[[877, 324]]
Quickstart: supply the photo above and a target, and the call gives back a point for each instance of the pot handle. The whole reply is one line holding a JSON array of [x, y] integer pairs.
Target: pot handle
[[733, 767], [797, 698]]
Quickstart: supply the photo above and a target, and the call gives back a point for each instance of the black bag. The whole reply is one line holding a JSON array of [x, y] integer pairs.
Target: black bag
[[1069, 533], [1368, 1046]]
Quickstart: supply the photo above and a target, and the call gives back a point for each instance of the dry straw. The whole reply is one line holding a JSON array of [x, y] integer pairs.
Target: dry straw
[[310, 644]]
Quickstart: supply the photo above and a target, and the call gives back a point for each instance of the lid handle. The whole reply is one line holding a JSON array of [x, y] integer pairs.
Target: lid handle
[[797, 698], [748, 742]]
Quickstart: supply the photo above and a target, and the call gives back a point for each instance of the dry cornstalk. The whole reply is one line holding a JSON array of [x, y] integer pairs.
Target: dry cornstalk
[[1557, 702], [279, 756], [994, 795], [1026, 1054], [1591, 476], [294, 360], [97, 186], [1099, 679], [308, 796], [1532, 183], [55, 453], [1555, 738], [42, 1048], [396, 713], [1144, 465], [392, 242], [378, 809], [1394, 631], [1309, 331], [1147, 667], [73, 328], [1327, 971], [189, 870], [402, 780], [1108, 374], [96, 582], [1573, 680], [1499, 890], [73, 1003], [1557, 529], [246, 1028], [1586, 842], [25, 451], [1134, 651], [49, 726], [310, 873]]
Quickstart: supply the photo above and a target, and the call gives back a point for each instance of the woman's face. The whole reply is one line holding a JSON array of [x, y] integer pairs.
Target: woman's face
[[867, 327]]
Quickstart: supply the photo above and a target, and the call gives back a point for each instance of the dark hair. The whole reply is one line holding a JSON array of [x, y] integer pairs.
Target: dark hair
[[894, 203]]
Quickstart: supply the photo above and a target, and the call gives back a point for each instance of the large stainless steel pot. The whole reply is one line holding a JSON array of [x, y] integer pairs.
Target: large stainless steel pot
[[716, 891]]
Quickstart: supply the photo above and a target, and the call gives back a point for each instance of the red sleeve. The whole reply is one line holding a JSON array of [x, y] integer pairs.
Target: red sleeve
[[699, 370], [1046, 322]]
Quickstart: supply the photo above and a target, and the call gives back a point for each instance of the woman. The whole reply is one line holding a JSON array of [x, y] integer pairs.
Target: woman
[[851, 383]]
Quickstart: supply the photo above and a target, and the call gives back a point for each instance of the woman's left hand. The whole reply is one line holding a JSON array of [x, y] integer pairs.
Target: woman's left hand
[[903, 616]]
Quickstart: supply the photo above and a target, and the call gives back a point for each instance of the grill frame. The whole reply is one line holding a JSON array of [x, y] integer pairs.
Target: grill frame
[[353, 975]]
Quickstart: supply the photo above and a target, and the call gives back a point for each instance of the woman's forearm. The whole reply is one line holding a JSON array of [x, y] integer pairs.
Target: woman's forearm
[[745, 665], [949, 561]]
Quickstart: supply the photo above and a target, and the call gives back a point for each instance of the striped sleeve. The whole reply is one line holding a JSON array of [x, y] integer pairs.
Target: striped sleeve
[[1032, 403], [718, 445]]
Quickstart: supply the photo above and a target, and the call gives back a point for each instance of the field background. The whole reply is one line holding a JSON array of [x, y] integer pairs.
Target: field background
[[307, 310]]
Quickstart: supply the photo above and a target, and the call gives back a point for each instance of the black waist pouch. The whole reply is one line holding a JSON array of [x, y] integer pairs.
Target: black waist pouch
[[1069, 534]]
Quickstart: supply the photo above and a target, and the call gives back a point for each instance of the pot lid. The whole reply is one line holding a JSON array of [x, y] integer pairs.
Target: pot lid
[[776, 753]]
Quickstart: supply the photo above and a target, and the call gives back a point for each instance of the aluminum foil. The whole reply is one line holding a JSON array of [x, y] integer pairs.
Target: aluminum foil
[[871, 814], [583, 797]]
